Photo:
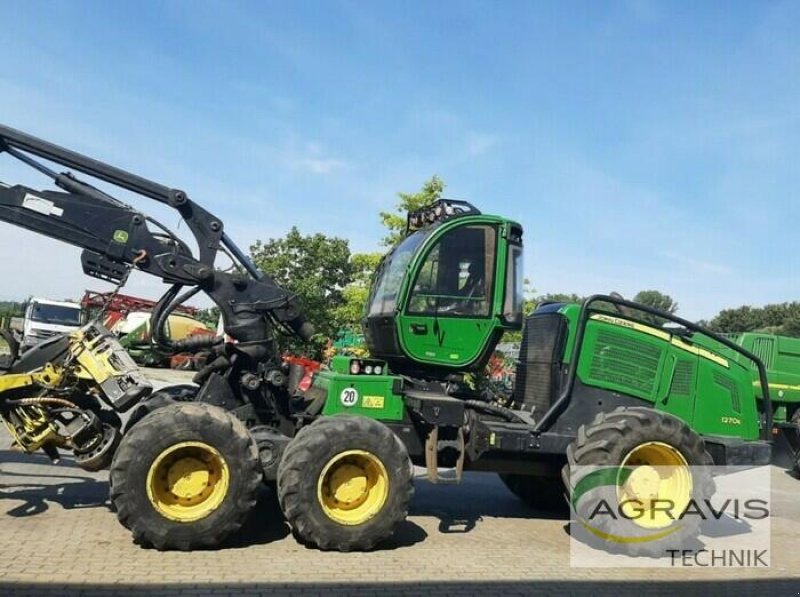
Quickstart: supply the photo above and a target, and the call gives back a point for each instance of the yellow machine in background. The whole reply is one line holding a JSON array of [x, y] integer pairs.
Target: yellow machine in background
[[66, 392]]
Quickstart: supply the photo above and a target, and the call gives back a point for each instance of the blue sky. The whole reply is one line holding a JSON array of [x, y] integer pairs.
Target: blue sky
[[642, 144]]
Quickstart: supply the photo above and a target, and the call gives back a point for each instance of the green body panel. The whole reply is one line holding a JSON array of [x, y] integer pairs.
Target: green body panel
[[701, 385], [781, 358], [370, 396], [455, 342]]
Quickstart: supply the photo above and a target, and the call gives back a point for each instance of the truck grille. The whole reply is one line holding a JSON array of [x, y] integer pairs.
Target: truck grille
[[764, 348]]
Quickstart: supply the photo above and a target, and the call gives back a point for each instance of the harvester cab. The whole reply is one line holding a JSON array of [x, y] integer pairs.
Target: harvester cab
[[444, 296]]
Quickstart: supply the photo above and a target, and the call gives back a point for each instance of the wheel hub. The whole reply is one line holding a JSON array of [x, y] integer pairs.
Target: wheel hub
[[658, 487], [353, 487], [188, 481], [348, 485]]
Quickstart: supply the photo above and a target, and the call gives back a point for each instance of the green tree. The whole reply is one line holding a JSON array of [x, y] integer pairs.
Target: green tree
[[780, 318], [209, 317], [395, 221], [557, 297], [656, 300], [315, 267], [791, 327], [356, 293], [363, 265]]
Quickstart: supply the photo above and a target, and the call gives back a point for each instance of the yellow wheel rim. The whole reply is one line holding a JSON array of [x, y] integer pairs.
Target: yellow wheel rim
[[353, 487], [659, 486], [188, 481]]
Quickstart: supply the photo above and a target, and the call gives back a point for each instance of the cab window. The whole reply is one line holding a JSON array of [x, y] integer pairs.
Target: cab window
[[457, 276], [390, 275]]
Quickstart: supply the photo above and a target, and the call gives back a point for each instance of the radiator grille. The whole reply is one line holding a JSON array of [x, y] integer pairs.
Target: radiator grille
[[625, 361], [540, 359]]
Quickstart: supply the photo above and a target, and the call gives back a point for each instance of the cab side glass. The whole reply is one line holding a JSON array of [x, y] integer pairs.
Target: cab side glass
[[457, 276], [515, 291]]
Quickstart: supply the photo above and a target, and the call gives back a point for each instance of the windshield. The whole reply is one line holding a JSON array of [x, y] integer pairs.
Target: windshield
[[390, 276], [515, 291], [56, 314]]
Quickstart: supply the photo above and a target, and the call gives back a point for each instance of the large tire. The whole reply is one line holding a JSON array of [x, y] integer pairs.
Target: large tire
[[185, 477], [356, 460], [539, 493], [637, 437], [166, 396], [796, 455]]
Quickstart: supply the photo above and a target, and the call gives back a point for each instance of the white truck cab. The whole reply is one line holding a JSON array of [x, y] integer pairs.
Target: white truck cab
[[45, 318]]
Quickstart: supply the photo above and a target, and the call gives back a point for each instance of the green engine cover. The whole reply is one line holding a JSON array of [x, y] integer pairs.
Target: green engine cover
[[687, 377]]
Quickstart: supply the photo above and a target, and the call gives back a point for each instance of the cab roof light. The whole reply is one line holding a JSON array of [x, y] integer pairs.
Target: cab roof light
[[439, 211]]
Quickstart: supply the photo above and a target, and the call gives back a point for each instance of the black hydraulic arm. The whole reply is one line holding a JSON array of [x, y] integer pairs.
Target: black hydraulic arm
[[115, 237]]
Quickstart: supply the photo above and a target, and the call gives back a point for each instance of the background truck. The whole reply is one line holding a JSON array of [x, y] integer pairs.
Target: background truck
[[45, 318]]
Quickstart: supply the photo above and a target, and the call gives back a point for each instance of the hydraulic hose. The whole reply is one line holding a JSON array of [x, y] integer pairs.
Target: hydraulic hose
[[494, 409], [157, 321]]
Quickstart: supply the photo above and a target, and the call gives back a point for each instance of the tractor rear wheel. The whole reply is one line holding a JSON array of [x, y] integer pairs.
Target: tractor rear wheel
[[647, 465], [186, 476], [539, 493], [345, 482]]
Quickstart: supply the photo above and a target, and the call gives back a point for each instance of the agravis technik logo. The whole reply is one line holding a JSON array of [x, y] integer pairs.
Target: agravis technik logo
[[658, 511]]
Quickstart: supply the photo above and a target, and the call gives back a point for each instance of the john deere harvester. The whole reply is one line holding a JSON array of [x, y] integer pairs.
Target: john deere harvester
[[604, 383]]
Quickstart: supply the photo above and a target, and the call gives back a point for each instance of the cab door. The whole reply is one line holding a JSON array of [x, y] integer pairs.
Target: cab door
[[448, 315]]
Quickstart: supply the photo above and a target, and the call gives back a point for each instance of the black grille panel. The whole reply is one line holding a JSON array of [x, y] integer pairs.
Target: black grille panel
[[682, 379], [540, 359], [728, 384], [625, 361]]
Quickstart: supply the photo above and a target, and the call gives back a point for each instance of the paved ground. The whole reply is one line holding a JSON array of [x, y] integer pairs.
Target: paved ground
[[58, 537]]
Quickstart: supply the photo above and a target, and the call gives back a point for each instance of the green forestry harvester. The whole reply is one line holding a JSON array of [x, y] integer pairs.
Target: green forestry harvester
[[605, 382]]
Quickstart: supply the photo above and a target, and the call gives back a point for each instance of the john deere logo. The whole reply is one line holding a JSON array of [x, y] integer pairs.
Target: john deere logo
[[121, 236]]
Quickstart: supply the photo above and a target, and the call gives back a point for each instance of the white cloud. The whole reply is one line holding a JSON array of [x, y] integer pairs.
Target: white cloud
[[317, 165], [477, 144]]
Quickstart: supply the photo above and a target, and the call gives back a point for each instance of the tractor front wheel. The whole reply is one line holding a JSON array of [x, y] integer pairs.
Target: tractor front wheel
[[632, 474], [345, 482], [185, 476]]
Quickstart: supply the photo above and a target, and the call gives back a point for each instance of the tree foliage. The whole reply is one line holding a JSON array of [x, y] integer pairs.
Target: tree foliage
[[363, 265], [657, 300], [356, 293], [780, 318], [395, 221], [316, 268]]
